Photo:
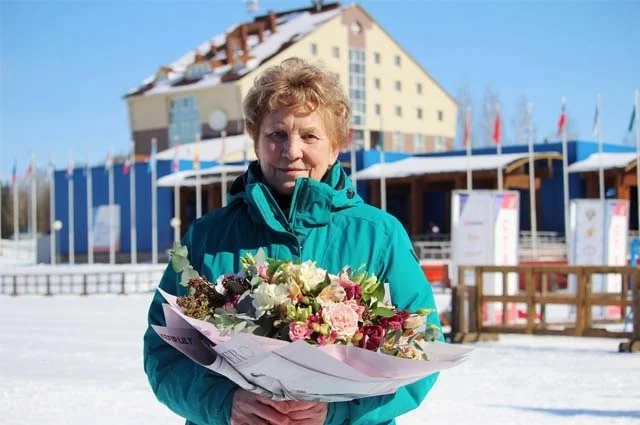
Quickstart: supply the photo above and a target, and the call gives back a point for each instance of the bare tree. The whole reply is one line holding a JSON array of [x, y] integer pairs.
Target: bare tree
[[488, 108]]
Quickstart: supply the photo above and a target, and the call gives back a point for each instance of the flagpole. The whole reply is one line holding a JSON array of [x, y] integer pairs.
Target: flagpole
[[596, 128], [352, 158], [497, 137], [637, 112], [223, 185], [198, 183], [16, 223], [133, 234], [467, 142], [565, 173], [112, 218], [52, 213], [383, 180], [176, 193], [154, 204], [532, 186], [71, 230], [34, 207], [89, 214]]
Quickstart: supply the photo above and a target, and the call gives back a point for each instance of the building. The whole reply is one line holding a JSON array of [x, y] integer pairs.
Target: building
[[393, 97]]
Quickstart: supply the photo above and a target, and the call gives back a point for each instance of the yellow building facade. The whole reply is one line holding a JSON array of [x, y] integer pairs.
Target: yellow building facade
[[393, 97]]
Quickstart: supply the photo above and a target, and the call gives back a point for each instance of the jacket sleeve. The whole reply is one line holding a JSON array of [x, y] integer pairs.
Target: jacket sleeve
[[188, 389], [410, 291]]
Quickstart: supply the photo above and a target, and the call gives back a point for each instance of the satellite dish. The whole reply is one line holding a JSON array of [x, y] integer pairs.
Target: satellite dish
[[218, 120]]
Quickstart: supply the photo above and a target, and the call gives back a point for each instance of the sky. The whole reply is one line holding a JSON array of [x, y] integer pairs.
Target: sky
[[65, 65]]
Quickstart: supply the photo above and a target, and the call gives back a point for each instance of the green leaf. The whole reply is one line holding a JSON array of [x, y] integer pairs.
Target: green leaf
[[378, 293], [383, 312], [187, 274], [239, 327]]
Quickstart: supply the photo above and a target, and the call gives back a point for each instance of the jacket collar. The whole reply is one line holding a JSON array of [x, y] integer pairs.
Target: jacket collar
[[312, 203]]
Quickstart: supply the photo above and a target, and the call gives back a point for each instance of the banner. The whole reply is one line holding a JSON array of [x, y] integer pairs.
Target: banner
[[101, 222]]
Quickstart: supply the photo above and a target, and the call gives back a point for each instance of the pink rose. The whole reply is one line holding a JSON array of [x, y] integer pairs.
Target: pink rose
[[262, 272], [359, 309], [341, 318], [297, 331]]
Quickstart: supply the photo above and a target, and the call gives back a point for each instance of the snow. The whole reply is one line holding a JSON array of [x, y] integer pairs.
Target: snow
[[74, 360], [608, 161], [187, 178], [449, 164], [210, 149]]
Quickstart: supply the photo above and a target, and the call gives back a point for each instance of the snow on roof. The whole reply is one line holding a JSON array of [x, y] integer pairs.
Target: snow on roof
[[211, 149], [207, 176], [608, 161], [290, 27], [415, 166]]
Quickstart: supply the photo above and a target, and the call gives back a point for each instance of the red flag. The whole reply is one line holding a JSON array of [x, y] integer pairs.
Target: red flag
[[126, 167], [27, 172], [467, 129], [562, 121], [496, 129]]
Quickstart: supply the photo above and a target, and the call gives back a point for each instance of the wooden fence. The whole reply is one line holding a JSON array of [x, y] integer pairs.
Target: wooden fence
[[470, 302]]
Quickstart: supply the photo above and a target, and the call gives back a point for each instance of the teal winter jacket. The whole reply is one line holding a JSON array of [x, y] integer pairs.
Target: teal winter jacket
[[327, 223]]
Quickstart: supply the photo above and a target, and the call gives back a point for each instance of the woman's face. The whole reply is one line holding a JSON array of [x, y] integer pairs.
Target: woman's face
[[293, 144]]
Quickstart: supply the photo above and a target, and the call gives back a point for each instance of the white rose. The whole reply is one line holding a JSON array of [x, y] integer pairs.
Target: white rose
[[310, 276], [281, 294], [263, 298]]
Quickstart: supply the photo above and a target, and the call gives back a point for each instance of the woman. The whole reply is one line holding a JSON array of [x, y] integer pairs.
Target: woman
[[295, 202]]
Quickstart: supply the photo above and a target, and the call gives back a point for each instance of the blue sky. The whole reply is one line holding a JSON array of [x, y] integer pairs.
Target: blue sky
[[66, 64]]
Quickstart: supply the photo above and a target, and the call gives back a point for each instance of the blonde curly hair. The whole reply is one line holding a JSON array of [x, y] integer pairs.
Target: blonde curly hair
[[298, 84]]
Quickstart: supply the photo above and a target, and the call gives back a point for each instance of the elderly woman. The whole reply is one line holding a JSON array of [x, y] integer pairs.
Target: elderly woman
[[295, 202]]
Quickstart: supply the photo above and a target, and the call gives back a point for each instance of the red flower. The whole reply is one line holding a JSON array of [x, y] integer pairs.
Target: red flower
[[395, 322], [373, 336]]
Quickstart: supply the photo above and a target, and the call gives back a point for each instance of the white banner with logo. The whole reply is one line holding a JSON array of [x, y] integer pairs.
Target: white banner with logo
[[101, 225]]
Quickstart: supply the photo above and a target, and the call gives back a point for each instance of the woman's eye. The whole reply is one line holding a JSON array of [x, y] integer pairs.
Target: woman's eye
[[278, 135], [310, 137]]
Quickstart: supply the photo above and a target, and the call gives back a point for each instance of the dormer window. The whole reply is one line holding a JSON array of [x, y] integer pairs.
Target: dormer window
[[162, 75], [198, 70]]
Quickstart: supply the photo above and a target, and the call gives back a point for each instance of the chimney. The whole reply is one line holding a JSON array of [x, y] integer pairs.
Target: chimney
[[261, 31], [244, 34], [272, 22], [229, 49]]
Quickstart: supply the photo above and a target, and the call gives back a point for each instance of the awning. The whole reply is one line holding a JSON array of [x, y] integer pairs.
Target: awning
[[624, 160], [417, 166], [211, 150], [210, 175]]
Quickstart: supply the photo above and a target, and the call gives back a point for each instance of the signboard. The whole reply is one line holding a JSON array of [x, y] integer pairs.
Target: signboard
[[484, 231], [101, 226]]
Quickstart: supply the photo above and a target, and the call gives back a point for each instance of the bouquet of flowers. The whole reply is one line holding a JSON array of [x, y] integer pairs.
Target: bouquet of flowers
[[294, 301]]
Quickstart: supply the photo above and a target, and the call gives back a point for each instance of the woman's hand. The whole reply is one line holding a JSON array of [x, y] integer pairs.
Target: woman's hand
[[250, 409]]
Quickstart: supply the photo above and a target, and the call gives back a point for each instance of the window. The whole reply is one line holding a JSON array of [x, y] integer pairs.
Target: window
[[313, 49], [419, 113], [335, 51], [377, 108], [198, 70], [398, 111], [376, 83], [376, 57], [358, 139], [357, 83], [356, 28], [440, 144], [396, 60], [419, 88], [398, 86], [440, 115], [184, 119], [397, 142], [418, 143]]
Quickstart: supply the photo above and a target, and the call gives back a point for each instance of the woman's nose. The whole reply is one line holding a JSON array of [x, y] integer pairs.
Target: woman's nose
[[292, 149]]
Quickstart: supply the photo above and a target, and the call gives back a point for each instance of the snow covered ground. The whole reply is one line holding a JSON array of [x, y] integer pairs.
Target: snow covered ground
[[75, 360]]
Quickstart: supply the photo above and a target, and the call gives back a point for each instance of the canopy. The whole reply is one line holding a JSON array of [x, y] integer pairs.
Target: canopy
[[207, 176], [416, 166], [608, 160], [211, 150]]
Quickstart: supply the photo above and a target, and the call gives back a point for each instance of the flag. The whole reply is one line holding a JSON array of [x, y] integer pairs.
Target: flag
[[633, 119], [14, 173], [70, 169], [596, 122], [466, 138], [152, 157], [127, 166], [497, 131], [175, 165], [108, 163], [28, 171], [562, 121]]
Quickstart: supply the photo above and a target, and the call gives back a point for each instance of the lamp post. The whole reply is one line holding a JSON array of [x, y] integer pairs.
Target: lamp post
[[57, 226]]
